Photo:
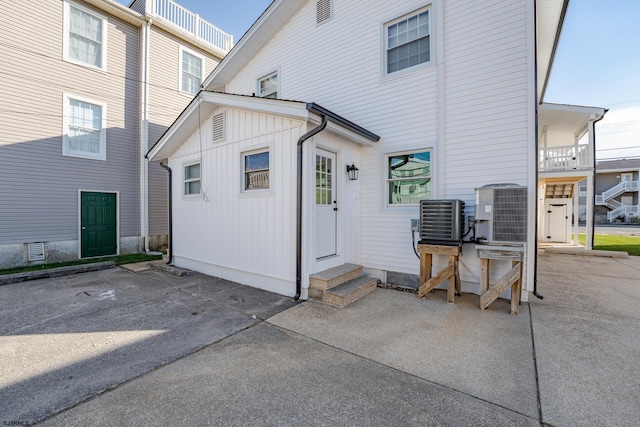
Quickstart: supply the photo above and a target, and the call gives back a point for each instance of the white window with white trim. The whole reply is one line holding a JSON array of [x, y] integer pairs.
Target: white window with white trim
[[407, 41], [84, 128], [408, 177], [268, 86], [192, 179], [191, 71], [582, 191], [256, 170], [85, 36]]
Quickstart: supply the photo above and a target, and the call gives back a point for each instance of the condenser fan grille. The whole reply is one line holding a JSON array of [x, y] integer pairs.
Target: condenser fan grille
[[510, 214]]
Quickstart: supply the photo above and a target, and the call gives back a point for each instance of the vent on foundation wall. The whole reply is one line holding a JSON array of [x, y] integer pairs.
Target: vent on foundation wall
[[36, 251], [218, 128], [323, 11]]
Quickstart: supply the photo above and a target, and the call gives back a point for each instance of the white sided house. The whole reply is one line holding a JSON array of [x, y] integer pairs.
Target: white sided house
[[427, 99]]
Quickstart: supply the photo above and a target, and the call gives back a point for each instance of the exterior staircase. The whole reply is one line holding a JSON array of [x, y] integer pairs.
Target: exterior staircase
[[340, 286], [617, 208]]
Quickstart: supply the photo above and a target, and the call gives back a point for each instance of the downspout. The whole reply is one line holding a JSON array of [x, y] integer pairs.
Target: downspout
[[592, 129], [168, 169], [144, 134], [301, 140], [537, 149]]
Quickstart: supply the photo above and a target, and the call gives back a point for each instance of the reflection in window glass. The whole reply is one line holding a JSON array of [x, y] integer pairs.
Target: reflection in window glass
[[256, 171], [409, 178]]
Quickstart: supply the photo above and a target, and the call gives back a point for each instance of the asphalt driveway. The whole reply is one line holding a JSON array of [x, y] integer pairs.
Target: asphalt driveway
[[64, 340], [123, 348]]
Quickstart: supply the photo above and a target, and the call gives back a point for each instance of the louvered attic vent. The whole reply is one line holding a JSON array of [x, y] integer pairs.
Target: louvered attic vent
[[218, 128], [323, 11], [35, 251]]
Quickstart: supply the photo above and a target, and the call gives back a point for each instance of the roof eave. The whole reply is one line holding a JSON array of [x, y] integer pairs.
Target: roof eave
[[271, 20]]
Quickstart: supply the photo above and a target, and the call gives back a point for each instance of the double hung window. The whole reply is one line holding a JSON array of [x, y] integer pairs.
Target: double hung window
[[408, 41], [84, 128], [191, 71], [192, 179], [85, 36], [255, 167]]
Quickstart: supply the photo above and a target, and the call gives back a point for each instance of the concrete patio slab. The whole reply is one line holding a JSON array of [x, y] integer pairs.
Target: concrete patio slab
[[586, 339], [268, 376], [486, 354]]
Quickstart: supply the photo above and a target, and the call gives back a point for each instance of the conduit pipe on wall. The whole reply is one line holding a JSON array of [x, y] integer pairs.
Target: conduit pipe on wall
[[168, 169], [301, 140]]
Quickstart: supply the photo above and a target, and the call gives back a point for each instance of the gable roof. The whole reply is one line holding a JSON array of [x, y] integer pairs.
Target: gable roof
[[619, 165], [206, 102], [271, 20], [550, 16]]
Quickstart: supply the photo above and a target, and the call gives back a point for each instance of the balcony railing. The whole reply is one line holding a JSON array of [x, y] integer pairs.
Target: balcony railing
[[565, 158], [177, 16], [624, 210]]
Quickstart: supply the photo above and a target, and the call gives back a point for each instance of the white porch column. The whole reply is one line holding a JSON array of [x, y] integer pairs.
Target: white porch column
[[576, 212]]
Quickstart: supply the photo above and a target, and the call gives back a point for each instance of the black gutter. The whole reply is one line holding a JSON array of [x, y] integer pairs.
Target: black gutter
[[168, 169], [323, 112], [301, 140]]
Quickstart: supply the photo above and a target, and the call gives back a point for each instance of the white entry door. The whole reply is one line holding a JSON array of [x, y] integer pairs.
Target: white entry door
[[557, 224], [326, 209]]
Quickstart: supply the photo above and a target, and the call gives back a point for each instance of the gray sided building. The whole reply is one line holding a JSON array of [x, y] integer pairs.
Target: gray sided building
[[86, 91]]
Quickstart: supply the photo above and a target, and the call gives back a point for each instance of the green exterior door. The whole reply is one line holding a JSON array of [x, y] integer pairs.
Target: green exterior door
[[98, 232]]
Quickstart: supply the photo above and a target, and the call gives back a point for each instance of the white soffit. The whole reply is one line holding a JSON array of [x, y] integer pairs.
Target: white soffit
[[568, 119], [548, 21]]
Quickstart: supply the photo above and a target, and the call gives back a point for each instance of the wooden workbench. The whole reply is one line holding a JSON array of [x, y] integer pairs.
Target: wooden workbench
[[450, 272], [513, 278]]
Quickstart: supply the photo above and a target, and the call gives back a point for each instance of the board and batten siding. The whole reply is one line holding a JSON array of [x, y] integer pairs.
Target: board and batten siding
[[470, 105], [38, 185], [348, 81], [166, 103], [248, 237]]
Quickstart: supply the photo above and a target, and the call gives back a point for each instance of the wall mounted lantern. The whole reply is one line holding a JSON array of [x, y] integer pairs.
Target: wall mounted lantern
[[353, 172]]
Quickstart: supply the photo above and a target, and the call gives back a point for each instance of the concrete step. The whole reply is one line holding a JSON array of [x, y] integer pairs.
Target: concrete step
[[346, 293], [335, 276]]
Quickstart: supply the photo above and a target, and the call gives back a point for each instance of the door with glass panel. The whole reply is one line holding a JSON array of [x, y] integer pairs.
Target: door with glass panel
[[326, 207]]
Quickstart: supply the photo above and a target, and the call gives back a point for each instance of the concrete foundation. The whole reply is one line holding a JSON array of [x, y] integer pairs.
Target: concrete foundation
[[17, 255], [159, 243]]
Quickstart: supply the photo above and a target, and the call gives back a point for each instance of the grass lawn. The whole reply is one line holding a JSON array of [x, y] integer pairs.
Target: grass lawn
[[119, 260], [609, 242]]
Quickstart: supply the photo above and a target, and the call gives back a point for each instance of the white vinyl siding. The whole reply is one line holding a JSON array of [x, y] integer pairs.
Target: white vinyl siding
[[474, 118], [191, 71], [408, 41], [192, 183], [84, 128], [85, 36], [268, 85]]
